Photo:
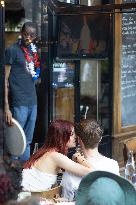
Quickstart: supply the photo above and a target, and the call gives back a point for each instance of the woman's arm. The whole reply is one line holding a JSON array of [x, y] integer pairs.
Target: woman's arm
[[64, 162], [77, 157]]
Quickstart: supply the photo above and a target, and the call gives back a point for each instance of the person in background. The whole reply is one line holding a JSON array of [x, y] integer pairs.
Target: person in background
[[21, 71], [40, 171], [89, 133], [10, 180], [105, 188]]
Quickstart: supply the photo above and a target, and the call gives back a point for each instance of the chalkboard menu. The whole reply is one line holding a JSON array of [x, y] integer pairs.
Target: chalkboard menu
[[128, 68]]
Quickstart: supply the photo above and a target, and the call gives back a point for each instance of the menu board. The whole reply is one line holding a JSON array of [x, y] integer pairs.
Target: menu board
[[128, 68]]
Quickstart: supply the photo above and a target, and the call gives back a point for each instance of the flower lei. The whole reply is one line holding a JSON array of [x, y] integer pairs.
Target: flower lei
[[32, 61]]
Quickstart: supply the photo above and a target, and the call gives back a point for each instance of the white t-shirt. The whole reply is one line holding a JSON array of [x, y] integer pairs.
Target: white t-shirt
[[70, 182]]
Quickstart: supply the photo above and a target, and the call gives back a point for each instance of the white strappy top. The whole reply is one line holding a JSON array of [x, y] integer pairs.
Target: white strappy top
[[34, 180]]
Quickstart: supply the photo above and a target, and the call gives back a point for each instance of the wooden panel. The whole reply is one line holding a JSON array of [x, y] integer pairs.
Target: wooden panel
[[49, 194], [119, 133], [116, 82], [64, 104]]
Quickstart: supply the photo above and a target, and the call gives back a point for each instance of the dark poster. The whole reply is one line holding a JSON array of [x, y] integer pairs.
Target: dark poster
[[84, 36]]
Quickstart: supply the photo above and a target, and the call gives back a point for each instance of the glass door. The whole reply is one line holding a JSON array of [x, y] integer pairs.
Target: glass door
[[95, 96], [63, 90], [94, 90]]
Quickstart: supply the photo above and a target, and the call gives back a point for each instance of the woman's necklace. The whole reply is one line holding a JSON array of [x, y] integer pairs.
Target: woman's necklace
[[32, 60]]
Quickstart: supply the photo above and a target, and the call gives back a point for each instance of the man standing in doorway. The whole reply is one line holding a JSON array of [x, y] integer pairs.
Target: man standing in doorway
[[22, 69]]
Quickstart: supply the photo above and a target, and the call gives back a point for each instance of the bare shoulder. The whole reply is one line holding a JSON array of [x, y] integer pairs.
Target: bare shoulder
[[59, 158], [57, 155]]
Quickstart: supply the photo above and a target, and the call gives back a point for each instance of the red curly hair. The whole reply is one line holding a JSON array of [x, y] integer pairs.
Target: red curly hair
[[58, 135]]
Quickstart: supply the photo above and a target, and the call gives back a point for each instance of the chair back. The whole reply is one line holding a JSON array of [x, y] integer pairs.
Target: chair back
[[49, 194], [129, 145]]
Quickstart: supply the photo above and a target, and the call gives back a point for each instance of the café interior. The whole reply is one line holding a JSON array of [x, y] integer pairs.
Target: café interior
[[75, 84]]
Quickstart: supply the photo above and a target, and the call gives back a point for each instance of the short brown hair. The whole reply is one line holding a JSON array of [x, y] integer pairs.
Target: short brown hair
[[90, 132]]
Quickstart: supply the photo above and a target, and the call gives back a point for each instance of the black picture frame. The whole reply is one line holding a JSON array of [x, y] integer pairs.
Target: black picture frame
[[83, 36]]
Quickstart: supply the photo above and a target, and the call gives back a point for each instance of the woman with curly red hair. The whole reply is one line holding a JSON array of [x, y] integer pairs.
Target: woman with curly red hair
[[40, 171]]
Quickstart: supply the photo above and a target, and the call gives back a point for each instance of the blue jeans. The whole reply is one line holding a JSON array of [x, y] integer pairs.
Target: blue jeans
[[26, 116]]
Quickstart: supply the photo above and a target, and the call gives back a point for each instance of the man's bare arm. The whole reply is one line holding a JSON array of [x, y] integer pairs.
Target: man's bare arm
[[8, 113]]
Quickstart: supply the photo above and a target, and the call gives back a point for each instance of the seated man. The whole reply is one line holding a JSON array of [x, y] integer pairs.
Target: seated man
[[89, 133], [105, 188]]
